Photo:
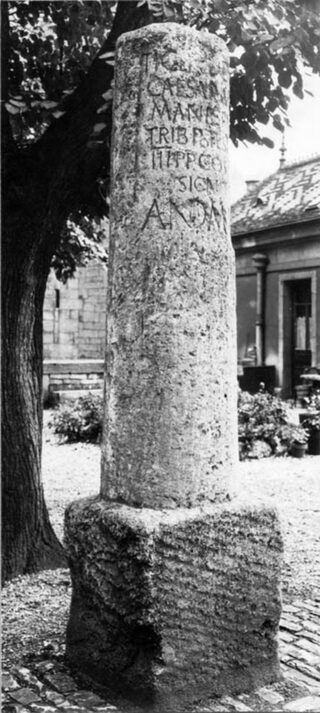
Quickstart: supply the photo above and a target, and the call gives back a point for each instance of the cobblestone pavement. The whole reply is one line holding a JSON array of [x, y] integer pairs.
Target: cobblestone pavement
[[46, 686]]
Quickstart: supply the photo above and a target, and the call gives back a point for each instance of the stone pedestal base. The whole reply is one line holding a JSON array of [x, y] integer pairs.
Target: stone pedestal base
[[169, 606]]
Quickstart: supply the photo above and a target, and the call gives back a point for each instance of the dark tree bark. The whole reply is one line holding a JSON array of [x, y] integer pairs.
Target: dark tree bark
[[44, 184]]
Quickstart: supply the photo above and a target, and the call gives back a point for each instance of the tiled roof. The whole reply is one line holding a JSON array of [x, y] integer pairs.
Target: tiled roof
[[291, 195]]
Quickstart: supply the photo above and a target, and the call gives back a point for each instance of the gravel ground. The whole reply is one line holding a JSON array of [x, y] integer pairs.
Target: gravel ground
[[292, 485], [35, 608]]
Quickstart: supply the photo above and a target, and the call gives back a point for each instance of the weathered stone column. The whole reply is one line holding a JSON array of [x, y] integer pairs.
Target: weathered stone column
[[170, 438], [175, 588]]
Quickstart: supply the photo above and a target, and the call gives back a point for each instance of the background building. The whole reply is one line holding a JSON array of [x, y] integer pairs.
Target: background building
[[75, 313], [276, 236]]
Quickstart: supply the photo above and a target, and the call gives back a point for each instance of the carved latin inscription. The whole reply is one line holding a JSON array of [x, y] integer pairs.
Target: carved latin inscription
[[180, 132]]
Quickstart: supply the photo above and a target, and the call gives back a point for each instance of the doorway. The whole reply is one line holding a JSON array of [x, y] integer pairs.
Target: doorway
[[297, 328]]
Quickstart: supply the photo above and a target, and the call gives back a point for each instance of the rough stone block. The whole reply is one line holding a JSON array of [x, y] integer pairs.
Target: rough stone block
[[170, 605]]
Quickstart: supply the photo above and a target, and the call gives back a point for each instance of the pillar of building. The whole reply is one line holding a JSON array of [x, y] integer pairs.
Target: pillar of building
[[175, 587], [260, 262]]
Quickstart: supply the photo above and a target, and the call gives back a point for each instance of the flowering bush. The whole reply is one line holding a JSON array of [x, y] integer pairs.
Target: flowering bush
[[262, 417], [79, 421], [295, 434], [312, 402], [310, 419], [312, 422]]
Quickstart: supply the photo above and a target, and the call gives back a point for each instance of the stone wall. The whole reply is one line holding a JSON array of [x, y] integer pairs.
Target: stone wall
[[74, 314]]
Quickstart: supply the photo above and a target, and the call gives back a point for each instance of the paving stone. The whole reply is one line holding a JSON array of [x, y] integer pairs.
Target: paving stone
[[108, 708], [311, 631], [21, 672], [291, 625], [289, 650], [302, 705], [25, 696], [311, 659], [53, 697], [8, 683], [235, 703], [5, 698], [87, 698], [61, 682], [300, 678], [44, 666], [72, 707], [308, 645], [305, 668], [270, 696], [291, 608], [315, 619], [312, 607], [311, 601], [285, 637]]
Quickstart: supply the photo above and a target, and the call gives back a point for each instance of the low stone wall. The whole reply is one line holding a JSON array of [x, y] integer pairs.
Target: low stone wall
[[69, 379]]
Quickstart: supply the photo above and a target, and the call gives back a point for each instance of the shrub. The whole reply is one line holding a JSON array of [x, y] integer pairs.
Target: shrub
[[262, 417], [312, 422], [312, 402], [79, 421], [291, 433]]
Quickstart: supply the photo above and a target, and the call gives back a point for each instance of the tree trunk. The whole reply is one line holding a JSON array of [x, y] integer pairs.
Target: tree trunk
[[28, 541]]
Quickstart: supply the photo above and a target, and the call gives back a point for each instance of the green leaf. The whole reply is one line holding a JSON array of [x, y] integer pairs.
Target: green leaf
[[285, 79], [99, 127], [280, 43], [267, 142], [107, 95], [49, 104], [12, 109], [107, 55]]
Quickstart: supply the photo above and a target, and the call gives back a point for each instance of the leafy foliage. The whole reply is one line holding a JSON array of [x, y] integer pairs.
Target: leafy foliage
[[312, 402], [81, 241], [269, 44], [310, 419], [80, 421], [312, 422], [52, 45], [263, 417]]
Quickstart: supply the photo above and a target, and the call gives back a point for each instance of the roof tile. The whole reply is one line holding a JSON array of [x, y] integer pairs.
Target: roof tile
[[290, 195]]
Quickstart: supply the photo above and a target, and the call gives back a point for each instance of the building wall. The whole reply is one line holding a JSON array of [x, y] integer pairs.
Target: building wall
[[74, 314], [246, 313], [92, 311], [290, 259]]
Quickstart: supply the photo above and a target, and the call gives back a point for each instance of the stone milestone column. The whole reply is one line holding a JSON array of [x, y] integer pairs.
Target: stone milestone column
[[175, 587], [170, 436]]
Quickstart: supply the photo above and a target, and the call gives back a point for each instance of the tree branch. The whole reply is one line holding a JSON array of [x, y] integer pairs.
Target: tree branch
[[66, 156]]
